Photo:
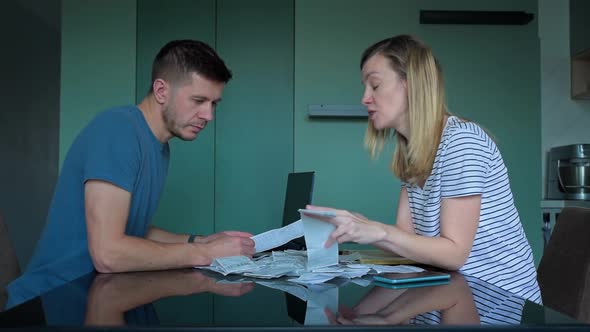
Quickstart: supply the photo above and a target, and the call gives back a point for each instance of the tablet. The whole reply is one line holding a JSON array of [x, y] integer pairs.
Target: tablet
[[329, 214], [405, 278], [412, 284]]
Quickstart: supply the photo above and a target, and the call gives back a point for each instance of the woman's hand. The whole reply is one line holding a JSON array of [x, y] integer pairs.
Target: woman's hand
[[351, 227]]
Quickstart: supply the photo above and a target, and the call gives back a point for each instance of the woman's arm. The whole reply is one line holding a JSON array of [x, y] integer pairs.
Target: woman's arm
[[458, 225], [459, 221]]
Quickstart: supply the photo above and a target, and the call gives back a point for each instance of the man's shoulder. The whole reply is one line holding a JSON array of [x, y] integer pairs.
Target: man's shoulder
[[114, 120], [119, 114]]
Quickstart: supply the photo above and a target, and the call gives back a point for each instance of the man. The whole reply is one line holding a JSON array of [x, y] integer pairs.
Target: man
[[113, 176]]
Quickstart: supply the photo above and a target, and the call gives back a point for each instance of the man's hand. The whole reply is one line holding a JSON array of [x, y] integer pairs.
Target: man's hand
[[223, 245], [209, 238]]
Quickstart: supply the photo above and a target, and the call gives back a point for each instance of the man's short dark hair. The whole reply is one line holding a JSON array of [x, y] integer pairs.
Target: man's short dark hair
[[179, 58]]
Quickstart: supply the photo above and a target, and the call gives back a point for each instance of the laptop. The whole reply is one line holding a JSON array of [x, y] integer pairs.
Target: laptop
[[299, 193]]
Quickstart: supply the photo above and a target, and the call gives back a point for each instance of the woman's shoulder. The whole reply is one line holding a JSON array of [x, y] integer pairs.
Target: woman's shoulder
[[460, 131]]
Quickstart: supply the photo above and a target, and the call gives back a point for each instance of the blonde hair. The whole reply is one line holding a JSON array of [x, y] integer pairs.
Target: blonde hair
[[414, 62]]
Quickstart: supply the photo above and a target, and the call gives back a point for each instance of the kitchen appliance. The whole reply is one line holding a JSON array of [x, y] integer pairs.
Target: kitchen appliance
[[568, 174]]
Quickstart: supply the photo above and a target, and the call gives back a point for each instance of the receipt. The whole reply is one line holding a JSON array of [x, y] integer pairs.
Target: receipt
[[278, 237], [316, 234]]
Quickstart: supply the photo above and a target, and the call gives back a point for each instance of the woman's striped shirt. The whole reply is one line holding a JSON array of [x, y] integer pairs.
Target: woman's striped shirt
[[467, 163]]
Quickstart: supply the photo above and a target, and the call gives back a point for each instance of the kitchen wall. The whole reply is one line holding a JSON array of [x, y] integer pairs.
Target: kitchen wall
[[564, 121]]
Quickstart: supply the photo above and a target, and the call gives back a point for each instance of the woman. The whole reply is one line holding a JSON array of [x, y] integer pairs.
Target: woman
[[455, 208]]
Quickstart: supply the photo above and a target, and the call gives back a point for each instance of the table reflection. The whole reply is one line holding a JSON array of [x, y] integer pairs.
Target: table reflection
[[463, 301], [197, 298], [111, 297]]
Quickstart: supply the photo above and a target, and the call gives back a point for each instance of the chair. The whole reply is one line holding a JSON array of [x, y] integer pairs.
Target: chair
[[564, 270], [9, 268]]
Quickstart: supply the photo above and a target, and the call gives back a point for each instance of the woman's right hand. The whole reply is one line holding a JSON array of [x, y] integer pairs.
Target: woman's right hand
[[351, 227]]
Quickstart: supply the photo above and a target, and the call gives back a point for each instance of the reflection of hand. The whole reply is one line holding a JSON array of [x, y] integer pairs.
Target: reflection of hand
[[344, 316], [351, 227], [347, 319], [111, 295], [236, 290], [392, 306]]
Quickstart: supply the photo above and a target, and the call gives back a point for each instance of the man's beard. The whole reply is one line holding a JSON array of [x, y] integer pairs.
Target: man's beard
[[168, 116]]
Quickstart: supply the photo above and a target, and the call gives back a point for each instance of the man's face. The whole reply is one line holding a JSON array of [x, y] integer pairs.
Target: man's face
[[191, 106]]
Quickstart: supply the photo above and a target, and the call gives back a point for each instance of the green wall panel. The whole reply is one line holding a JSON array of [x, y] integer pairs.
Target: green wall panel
[[254, 136], [97, 62], [328, 46], [187, 203], [492, 75], [254, 151]]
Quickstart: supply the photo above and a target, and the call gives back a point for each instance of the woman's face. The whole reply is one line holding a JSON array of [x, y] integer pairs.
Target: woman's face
[[385, 94]]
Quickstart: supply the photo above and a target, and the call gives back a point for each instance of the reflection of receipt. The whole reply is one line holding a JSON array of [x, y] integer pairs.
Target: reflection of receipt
[[278, 237], [319, 298]]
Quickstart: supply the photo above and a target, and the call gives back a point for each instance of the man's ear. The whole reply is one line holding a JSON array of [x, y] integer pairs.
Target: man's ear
[[161, 91]]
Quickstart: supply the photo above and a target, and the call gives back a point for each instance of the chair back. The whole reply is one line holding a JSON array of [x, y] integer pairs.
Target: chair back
[[564, 270], [9, 268]]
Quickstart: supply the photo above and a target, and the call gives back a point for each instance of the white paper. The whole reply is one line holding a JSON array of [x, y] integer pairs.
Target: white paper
[[395, 268], [278, 236], [233, 264], [316, 234], [294, 265]]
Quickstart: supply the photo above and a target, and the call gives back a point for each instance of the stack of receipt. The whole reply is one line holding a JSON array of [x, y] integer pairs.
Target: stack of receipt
[[293, 265]]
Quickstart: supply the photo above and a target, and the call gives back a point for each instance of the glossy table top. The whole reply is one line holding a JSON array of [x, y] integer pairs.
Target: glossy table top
[[200, 299]]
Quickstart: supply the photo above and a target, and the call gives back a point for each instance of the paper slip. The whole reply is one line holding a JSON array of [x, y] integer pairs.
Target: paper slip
[[316, 234], [349, 258], [233, 264], [394, 269], [278, 237]]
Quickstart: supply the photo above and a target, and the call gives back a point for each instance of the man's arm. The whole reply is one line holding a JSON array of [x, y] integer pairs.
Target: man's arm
[[107, 210], [160, 235]]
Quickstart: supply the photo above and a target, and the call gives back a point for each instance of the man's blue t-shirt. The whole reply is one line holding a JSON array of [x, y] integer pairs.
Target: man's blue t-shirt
[[118, 147]]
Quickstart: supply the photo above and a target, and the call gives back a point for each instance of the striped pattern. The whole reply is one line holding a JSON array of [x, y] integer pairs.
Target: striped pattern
[[494, 305], [469, 163]]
